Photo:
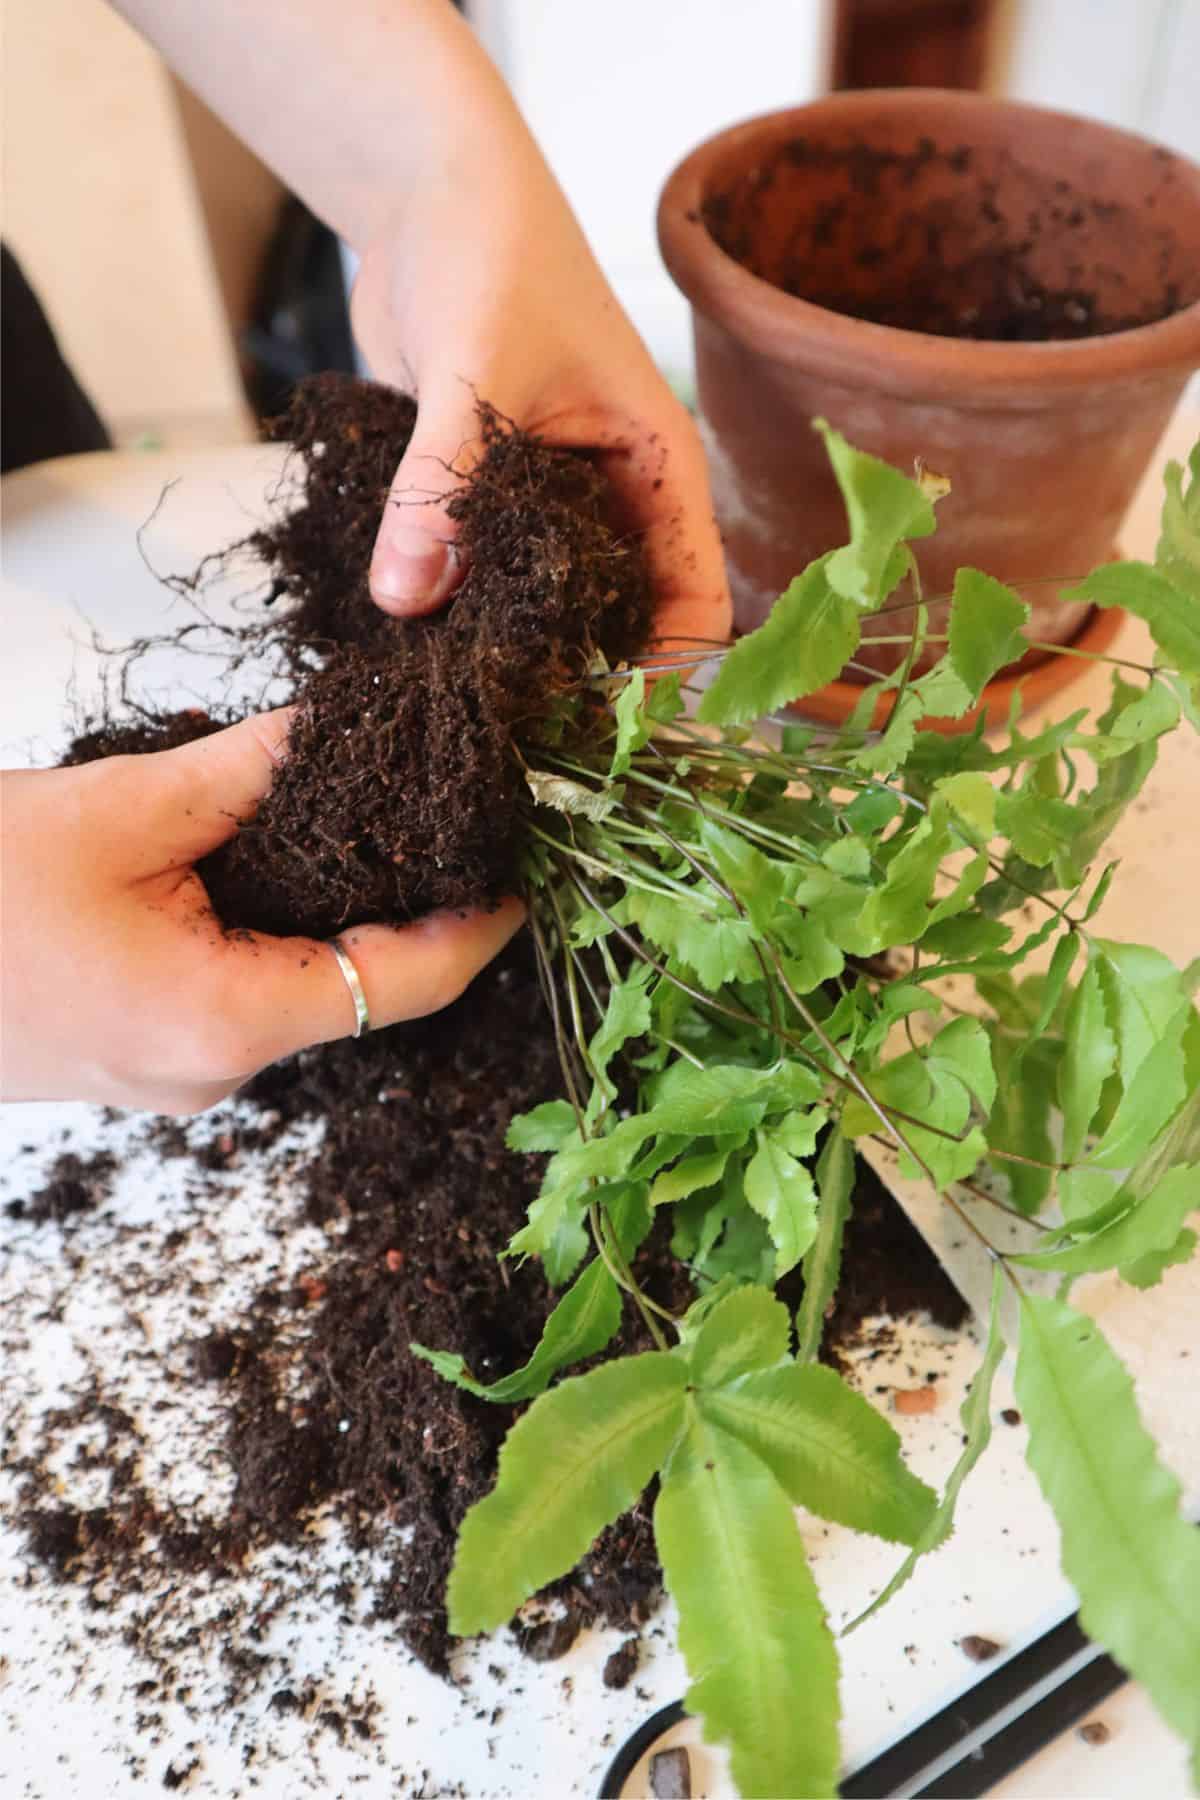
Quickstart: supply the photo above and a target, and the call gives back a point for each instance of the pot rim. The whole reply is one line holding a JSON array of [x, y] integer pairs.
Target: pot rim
[[796, 332]]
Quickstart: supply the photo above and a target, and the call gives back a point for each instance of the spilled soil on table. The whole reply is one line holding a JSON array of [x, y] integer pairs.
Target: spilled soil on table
[[324, 1404]]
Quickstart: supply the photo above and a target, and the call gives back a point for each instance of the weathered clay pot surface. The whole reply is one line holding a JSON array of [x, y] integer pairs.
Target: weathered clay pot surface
[[1051, 269]]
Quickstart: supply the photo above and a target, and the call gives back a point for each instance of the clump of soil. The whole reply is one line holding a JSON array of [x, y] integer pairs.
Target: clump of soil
[[621, 1667], [55, 1536], [400, 790], [74, 1185], [101, 738], [348, 437], [952, 241]]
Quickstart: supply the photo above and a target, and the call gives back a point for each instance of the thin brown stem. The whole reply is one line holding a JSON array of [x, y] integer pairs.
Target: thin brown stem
[[901, 606], [1014, 1212], [1030, 1162], [623, 1278], [1118, 662], [978, 1193]]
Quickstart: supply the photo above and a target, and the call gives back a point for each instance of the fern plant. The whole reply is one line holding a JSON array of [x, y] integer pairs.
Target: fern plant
[[744, 948]]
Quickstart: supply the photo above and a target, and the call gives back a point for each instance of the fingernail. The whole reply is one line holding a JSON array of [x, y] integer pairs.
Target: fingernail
[[415, 580]]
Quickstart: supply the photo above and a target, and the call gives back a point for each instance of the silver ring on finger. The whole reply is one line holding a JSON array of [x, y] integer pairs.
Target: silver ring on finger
[[362, 1018]]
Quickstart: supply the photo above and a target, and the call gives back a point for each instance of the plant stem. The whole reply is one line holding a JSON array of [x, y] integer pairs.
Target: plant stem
[[1030, 1162], [900, 606], [611, 1255], [565, 848], [905, 638], [1118, 662], [978, 1193], [721, 816], [608, 1252], [550, 992]]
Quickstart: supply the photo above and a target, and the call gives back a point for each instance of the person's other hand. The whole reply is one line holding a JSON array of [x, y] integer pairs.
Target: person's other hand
[[119, 984], [490, 291], [393, 125]]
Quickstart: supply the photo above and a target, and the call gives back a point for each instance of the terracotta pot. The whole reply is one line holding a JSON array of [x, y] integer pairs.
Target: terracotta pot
[[951, 213]]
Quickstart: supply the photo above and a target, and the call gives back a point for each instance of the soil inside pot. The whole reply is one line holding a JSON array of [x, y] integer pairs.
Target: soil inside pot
[[956, 241]]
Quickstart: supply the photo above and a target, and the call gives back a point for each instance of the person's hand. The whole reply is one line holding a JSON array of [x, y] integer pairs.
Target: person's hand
[[118, 983], [486, 288], [392, 124]]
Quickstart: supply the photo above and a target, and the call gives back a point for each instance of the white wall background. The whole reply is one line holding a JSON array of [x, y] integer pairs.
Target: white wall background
[[1134, 63]]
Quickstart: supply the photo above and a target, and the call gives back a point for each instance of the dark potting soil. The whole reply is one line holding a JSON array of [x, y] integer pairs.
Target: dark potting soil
[[941, 241], [621, 1667], [73, 1185], [106, 737], [413, 1177], [400, 789], [888, 1269]]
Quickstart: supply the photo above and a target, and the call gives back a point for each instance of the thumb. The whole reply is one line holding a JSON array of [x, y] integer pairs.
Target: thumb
[[416, 565], [200, 793]]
